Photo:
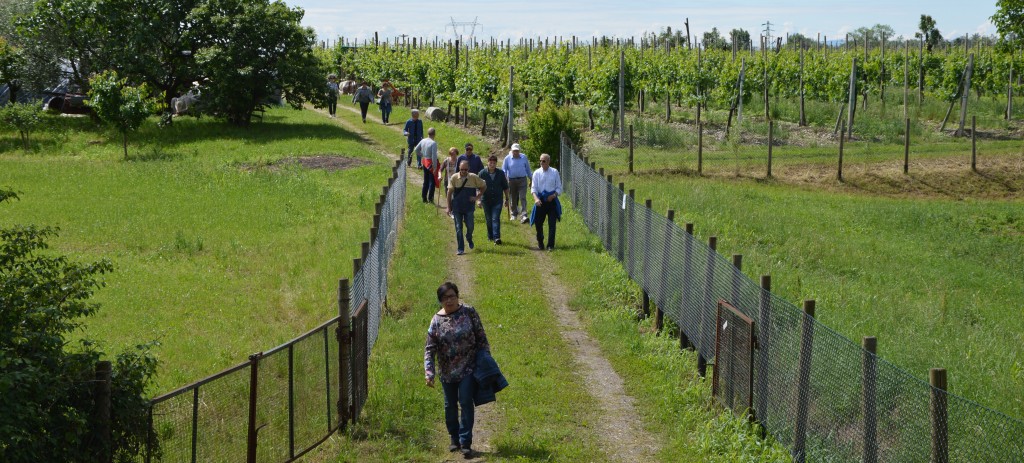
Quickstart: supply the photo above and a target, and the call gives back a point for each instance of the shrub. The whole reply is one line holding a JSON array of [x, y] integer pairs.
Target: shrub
[[119, 105], [543, 128], [46, 385], [23, 116]]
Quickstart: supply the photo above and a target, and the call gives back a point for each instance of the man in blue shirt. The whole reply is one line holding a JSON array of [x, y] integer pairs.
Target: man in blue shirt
[[517, 168], [413, 132]]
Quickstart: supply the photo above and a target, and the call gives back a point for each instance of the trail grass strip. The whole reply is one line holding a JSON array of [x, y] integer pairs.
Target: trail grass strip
[[672, 405]]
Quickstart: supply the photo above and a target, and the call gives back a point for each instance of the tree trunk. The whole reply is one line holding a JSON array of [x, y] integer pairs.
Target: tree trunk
[[483, 130], [124, 142]]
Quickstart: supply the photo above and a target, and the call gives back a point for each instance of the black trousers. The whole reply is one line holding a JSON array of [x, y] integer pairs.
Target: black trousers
[[362, 109], [546, 211], [428, 185], [332, 106]]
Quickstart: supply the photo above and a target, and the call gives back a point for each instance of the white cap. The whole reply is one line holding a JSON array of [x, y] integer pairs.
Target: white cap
[[515, 147]]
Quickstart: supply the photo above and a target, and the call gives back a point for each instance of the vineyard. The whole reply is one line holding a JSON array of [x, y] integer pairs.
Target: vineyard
[[719, 87]]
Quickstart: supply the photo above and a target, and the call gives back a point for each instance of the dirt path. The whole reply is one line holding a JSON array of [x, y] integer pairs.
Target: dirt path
[[619, 428]]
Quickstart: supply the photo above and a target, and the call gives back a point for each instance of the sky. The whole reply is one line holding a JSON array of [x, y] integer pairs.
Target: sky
[[532, 18]]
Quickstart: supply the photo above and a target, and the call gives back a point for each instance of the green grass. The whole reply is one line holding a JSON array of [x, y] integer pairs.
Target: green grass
[[937, 281], [217, 255]]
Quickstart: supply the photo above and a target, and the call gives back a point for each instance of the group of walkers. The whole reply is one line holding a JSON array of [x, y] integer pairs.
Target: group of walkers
[[469, 182], [362, 95]]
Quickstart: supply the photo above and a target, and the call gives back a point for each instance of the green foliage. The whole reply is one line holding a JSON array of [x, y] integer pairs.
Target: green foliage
[[1009, 19], [45, 387], [543, 130], [928, 32], [25, 117], [261, 54], [714, 40], [119, 105]]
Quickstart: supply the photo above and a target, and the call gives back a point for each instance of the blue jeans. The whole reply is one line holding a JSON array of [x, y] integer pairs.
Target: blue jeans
[[385, 112], [457, 395], [428, 185], [464, 218], [492, 216]]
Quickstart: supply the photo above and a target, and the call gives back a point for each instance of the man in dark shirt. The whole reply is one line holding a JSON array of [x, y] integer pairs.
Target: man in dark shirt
[[495, 195], [475, 163], [413, 132]]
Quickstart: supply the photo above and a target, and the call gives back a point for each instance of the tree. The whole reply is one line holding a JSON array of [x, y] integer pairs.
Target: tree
[[119, 105], [67, 32], [1009, 19], [928, 32], [253, 50], [152, 42], [543, 128], [11, 67], [740, 39], [799, 41], [713, 40], [25, 117], [874, 34], [45, 384]]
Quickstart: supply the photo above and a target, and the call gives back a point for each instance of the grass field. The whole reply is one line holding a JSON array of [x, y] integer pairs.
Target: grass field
[[936, 276], [220, 249]]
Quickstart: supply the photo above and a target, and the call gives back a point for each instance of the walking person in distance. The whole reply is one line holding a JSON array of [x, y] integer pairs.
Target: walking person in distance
[[547, 186], [462, 198], [496, 195], [517, 168]]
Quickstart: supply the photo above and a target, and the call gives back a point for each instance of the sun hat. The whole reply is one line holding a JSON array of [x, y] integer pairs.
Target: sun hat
[[515, 147]]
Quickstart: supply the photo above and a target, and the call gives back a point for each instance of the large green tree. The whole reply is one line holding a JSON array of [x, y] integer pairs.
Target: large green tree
[[254, 51], [68, 32], [152, 42], [713, 40], [1009, 20]]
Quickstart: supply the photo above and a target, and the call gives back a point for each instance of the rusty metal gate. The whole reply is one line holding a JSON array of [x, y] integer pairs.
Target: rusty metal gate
[[735, 341], [360, 359]]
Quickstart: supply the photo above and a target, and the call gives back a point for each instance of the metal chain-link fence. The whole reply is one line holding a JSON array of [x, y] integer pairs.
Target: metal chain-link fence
[[284, 402], [817, 392]]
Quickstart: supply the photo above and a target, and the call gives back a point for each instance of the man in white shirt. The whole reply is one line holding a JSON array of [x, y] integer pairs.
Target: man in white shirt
[[547, 186], [426, 152]]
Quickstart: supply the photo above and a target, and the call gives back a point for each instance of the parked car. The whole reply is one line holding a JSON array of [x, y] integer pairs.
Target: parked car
[[66, 99]]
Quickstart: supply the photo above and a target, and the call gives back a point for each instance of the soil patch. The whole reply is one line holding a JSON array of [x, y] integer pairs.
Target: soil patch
[[328, 162]]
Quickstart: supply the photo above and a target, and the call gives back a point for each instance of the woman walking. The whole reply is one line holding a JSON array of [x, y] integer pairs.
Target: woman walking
[[363, 96], [332, 94], [384, 94], [454, 337]]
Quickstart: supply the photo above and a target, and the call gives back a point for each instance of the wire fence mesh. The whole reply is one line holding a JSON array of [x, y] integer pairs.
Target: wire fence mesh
[[816, 391], [286, 401]]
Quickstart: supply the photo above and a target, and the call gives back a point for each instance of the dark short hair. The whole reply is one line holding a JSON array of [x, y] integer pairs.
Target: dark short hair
[[492, 158], [444, 288], [468, 145]]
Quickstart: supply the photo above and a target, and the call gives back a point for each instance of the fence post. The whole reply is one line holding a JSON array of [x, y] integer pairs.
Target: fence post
[[291, 401], [937, 409], [700, 148], [906, 147], [842, 136], [630, 252], [254, 374], [101, 411], [659, 315], [868, 380], [737, 278], [621, 251], [646, 306], [974, 144], [344, 348], [771, 140], [630, 148], [684, 338], [609, 199], [764, 318], [709, 281], [803, 383]]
